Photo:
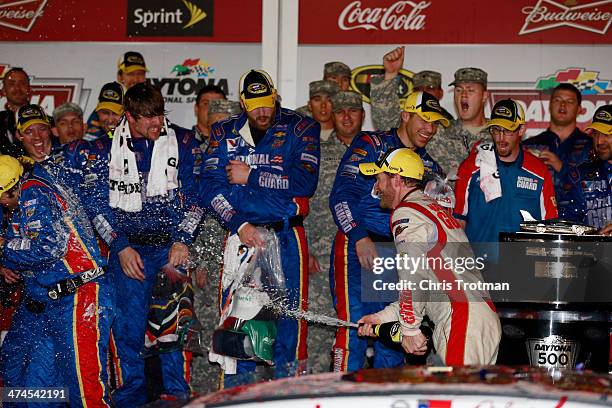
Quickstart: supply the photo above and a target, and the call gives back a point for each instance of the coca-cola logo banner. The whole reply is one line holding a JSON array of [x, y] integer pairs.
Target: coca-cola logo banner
[[401, 15], [454, 22]]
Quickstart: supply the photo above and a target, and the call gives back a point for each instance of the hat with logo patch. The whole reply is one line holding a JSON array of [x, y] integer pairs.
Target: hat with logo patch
[[29, 115], [322, 87], [223, 106], [470, 74], [10, 172], [346, 100], [111, 98], [424, 79], [426, 106], [507, 114], [336, 68], [402, 161], [602, 120], [257, 90], [131, 61]]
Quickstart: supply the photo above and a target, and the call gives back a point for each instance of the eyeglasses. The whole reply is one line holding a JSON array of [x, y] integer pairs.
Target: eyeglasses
[[497, 130]]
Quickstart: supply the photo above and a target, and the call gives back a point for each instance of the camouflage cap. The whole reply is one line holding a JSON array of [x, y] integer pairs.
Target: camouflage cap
[[223, 106], [336, 68], [424, 79], [323, 87], [470, 75], [346, 100]]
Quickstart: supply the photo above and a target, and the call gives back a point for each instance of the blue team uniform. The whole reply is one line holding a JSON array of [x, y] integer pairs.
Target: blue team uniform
[[284, 174], [589, 193], [357, 212], [51, 240], [573, 151]]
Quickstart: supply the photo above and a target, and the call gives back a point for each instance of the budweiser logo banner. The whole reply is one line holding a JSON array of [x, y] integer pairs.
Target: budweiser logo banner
[[594, 17]]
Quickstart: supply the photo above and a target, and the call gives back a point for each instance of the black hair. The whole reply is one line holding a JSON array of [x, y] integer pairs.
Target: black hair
[[565, 86], [144, 100], [15, 69], [209, 89]]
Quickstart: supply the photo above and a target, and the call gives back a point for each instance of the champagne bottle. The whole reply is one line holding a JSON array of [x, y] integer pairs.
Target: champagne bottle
[[389, 334]]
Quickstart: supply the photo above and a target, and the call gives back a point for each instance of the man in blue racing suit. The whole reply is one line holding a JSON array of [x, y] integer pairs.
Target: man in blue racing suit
[[362, 222], [591, 182], [69, 294], [152, 175], [260, 169]]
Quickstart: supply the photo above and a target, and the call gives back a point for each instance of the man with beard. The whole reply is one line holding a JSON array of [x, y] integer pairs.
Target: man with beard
[[361, 223], [260, 169], [562, 146], [467, 329], [16, 89], [499, 179], [591, 182]]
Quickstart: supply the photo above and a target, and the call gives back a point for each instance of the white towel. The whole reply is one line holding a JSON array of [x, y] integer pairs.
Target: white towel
[[489, 176], [122, 172], [125, 184], [163, 175]]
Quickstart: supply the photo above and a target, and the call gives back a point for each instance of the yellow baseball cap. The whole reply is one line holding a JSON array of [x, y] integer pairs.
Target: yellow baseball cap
[[602, 120], [402, 161], [426, 106], [10, 172], [257, 90], [29, 115], [507, 114]]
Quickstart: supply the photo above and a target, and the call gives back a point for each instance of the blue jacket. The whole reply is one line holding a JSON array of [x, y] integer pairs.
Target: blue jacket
[[588, 191], [176, 215], [284, 170], [574, 151], [353, 203], [50, 237]]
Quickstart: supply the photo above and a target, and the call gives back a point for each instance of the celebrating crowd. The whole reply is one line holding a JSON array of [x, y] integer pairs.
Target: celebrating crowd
[[109, 222]]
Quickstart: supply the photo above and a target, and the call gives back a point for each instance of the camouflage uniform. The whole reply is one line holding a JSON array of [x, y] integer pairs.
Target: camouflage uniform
[[385, 98], [207, 254], [451, 145], [321, 230], [224, 106]]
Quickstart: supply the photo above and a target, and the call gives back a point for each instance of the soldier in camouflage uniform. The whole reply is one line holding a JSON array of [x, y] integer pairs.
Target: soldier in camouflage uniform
[[320, 226], [207, 258], [451, 146], [337, 72], [320, 105]]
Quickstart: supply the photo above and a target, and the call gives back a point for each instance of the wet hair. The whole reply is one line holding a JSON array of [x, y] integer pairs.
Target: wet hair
[[567, 87], [209, 89], [144, 100], [15, 69]]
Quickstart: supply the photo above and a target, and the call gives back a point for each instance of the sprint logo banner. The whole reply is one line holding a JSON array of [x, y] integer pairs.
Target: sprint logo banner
[[170, 18]]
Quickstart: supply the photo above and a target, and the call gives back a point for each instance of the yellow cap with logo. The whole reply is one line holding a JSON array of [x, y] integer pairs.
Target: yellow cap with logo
[[402, 161], [257, 90], [426, 106]]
